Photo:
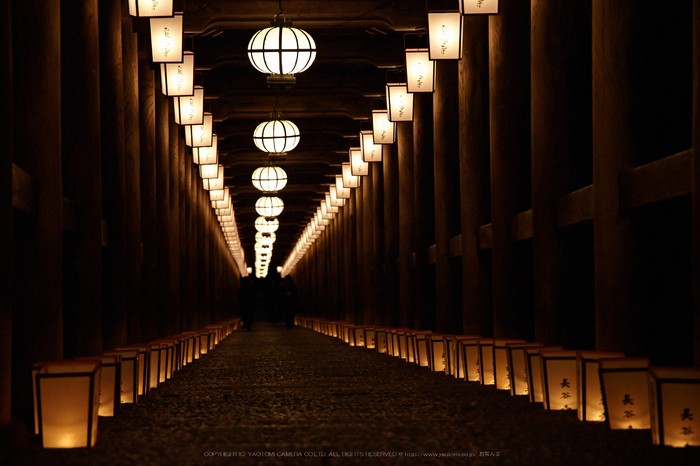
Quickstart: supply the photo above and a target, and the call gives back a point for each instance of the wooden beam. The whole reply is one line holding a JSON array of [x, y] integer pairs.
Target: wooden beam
[[431, 254], [455, 246], [575, 207], [24, 191], [485, 239], [657, 181], [521, 226]]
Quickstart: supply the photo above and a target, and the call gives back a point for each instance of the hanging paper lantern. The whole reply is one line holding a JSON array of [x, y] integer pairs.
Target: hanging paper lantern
[[166, 39], [269, 179], [269, 206], [399, 102], [276, 137], [478, 7], [200, 135], [420, 71], [150, 8], [445, 35], [383, 130], [189, 110], [358, 167]]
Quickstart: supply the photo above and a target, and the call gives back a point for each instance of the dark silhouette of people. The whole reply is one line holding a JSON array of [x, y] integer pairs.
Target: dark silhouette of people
[[289, 301], [246, 300]]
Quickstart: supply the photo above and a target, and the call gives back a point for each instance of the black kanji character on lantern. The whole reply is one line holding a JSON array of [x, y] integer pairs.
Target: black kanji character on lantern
[[565, 395], [565, 383], [629, 414], [687, 431], [628, 400], [687, 415]]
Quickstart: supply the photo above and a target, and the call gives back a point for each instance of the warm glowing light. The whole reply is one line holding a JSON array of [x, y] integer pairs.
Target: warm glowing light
[[269, 206], [383, 130], [420, 71], [445, 35], [200, 135], [269, 179], [166, 39], [341, 190], [276, 137], [189, 110], [478, 7], [266, 226], [281, 51], [214, 183], [358, 167], [674, 394], [177, 79], [399, 102], [349, 180], [207, 155], [150, 8]]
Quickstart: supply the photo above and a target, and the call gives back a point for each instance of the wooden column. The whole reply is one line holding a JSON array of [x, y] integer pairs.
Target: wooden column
[[696, 182], [360, 250], [132, 179], [381, 308], [163, 156], [176, 140], [149, 210], [391, 283], [369, 308], [407, 304], [184, 237], [114, 265], [6, 214], [194, 239], [351, 284], [510, 168], [424, 214], [81, 170], [475, 186], [561, 163], [37, 300], [448, 286]]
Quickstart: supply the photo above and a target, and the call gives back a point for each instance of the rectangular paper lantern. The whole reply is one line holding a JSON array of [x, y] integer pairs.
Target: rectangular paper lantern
[[468, 358], [383, 130], [411, 346], [590, 396], [559, 379], [422, 349], [381, 336], [189, 110], [110, 384], [342, 191], [399, 102], [518, 366], [451, 354], [501, 367], [166, 39], [346, 333], [207, 155], [177, 79], [534, 372], [478, 7], [142, 365], [129, 374], [150, 8], [349, 180], [445, 35], [674, 395], [370, 333], [359, 333], [371, 152], [358, 167], [486, 361], [68, 402], [201, 135], [438, 352], [214, 183], [625, 386], [420, 71]]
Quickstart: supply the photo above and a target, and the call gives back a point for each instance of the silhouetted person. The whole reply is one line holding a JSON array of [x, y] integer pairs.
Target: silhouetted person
[[246, 299], [290, 301]]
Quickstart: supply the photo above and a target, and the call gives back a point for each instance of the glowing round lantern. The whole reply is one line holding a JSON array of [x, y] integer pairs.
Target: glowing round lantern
[[266, 226], [265, 238], [276, 137], [269, 206], [281, 51], [269, 179]]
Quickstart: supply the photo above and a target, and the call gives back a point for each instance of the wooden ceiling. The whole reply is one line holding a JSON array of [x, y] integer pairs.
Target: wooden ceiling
[[356, 42]]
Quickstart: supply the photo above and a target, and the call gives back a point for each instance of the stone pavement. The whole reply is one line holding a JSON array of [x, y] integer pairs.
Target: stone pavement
[[292, 396]]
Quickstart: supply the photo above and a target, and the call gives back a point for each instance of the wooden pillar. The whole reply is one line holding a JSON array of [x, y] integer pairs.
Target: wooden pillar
[[351, 265], [379, 278], [163, 159], [149, 209], [391, 283], [176, 140], [6, 214], [696, 182], [360, 250], [184, 238], [194, 239], [475, 186], [369, 308], [114, 265], [448, 286], [202, 257], [37, 300], [407, 304], [561, 163], [81, 170], [510, 168], [424, 214], [132, 178]]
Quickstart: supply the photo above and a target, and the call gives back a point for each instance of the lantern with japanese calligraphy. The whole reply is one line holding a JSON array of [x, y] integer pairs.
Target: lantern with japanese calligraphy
[[420, 71], [200, 135], [533, 363], [381, 337], [383, 130], [177, 79], [166, 39], [501, 368], [341, 191], [515, 353], [68, 402], [590, 406], [624, 383], [349, 180], [674, 396], [559, 379], [371, 152], [438, 356], [399, 102], [358, 167], [468, 358], [478, 7], [445, 35], [422, 351], [150, 8], [189, 110], [335, 201], [486, 361], [207, 155]]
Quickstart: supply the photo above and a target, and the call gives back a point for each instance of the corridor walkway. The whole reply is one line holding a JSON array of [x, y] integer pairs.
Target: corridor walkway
[[290, 393]]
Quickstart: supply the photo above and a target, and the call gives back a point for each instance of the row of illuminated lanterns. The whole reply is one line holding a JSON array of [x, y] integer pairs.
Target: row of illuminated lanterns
[[370, 150], [625, 393], [71, 395]]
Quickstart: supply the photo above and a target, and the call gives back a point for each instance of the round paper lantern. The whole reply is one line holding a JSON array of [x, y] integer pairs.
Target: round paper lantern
[[276, 137], [269, 179], [269, 206], [265, 225]]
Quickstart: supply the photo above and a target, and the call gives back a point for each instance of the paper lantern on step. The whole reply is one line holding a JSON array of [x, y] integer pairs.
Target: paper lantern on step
[[438, 356], [674, 395], [381, 340], [422, 351], [559, 379], [534, 372], [129, 374], [142, 366], [486, 361], [501, 367], [110, 384], [624, 383], [590, 396], [68, 402], [518, 366]]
